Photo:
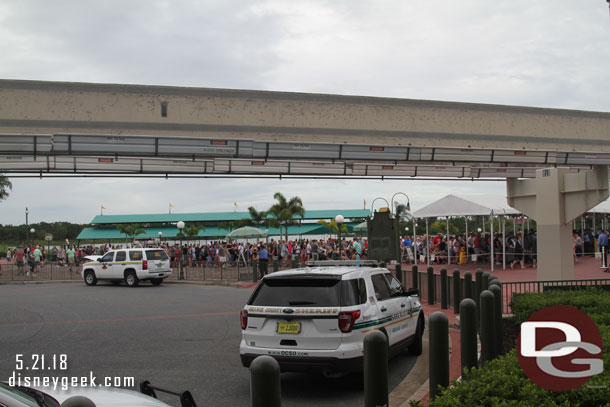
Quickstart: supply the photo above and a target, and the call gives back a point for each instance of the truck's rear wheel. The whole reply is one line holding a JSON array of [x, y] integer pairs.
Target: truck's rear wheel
[[131, 279]]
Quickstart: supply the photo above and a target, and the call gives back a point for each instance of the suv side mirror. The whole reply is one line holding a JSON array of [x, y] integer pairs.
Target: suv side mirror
[[412, 292]]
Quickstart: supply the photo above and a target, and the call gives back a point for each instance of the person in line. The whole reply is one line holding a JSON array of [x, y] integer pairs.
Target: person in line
[[602, 245], [263, 259]]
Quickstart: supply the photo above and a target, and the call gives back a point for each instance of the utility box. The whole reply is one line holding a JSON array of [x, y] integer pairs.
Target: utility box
[[384, 241]]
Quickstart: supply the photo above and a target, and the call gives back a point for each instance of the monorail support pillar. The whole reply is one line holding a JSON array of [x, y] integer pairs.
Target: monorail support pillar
[[554, 198]]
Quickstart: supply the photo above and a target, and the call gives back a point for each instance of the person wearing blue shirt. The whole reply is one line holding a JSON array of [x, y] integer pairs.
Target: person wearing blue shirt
[[602, 244], [263, 259]]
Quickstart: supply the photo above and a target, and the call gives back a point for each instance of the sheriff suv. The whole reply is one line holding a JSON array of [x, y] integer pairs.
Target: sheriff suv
[[315, 319], [129, 265]]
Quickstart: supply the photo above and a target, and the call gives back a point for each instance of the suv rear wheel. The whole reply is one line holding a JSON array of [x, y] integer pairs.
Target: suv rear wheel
[[90, 278], [131, 279]]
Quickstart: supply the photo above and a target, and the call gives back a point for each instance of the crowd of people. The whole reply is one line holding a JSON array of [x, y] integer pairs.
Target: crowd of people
[[476, 247], [520, 249], [28, 259]]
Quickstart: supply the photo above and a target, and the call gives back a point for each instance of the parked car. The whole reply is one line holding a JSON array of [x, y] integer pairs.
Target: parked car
[[22, 396], [128, 265], [315, 319]]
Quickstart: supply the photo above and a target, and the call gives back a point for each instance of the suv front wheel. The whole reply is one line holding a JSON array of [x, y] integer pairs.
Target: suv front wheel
[[90, 278], [131, 279]]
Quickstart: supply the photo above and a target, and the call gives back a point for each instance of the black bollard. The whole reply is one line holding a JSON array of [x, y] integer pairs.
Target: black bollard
[[375, 369], [478, 284], [431, 286], [498, 334], [399, 273], [415, 276], [254, 271], [485, 283], [77, 401], [468, 333], [444, 288], [276, 265], [457, 291], [439, 352], [488, 346], [468, 285], [265, 388]]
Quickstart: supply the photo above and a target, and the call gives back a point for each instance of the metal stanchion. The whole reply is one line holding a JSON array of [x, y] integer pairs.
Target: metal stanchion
[[457, 291], [415, 276], [431, 285], [443, 288]]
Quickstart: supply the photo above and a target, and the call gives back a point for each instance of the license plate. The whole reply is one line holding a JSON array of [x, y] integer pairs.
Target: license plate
[[288, 327], [159, 265]]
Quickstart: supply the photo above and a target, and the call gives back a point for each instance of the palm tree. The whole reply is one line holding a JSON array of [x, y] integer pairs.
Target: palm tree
[[193, 230], [259, 219], [5, 186], [131, 230], [284, 211], [332, 226]]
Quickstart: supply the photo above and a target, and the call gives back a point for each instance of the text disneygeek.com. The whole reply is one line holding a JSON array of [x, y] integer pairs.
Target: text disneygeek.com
[[57, 362], [65, 383]]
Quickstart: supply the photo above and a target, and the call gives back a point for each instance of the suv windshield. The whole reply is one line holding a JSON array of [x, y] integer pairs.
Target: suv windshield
[[309, 292], [156, 255]]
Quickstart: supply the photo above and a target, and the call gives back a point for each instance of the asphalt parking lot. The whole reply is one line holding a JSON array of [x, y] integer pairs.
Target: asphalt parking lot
[[177, 336]]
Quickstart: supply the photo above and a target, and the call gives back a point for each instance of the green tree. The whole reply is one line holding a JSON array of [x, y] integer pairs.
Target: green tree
[[332, 227], [5, 187], [131, 230], [286, 210], [259, 219], [193, 230]]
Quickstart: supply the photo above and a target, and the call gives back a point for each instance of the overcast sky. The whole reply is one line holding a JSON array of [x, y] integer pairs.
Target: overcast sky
[[547, 53]]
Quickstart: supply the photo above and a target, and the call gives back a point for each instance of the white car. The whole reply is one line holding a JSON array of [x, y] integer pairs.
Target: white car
[[129, 265], [20, 396], [315, 319]]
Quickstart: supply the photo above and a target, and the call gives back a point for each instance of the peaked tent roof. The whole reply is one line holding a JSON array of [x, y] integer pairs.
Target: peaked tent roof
[[602, 207], [467, 205]]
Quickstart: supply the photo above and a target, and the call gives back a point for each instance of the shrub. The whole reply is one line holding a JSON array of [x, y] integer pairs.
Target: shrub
[[501, 382]]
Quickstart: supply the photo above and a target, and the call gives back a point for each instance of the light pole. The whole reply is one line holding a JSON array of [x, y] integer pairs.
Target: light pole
[[267, 236], [180, 226], [339, 219], [27, 213], [160, 237], [32, 231]]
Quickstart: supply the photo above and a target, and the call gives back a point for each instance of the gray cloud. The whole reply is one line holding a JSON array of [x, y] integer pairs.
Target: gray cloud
[[551, 53]]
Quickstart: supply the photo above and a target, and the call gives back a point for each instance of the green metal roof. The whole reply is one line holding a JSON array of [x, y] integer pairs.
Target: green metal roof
[[218, 216], [209, 232]]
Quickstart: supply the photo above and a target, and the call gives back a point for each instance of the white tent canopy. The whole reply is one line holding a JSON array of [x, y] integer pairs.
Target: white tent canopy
[[603, 207], [467, 205]]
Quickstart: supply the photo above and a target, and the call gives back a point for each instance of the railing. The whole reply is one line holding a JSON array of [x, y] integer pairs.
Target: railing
[[519, 287], [508, 288], [195, 271]]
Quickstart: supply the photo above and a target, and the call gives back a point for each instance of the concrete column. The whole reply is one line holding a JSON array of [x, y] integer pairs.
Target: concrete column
[[555, 198]]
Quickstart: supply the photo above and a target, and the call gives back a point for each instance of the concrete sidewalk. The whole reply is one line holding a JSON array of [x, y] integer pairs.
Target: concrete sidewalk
[[415, 387]]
